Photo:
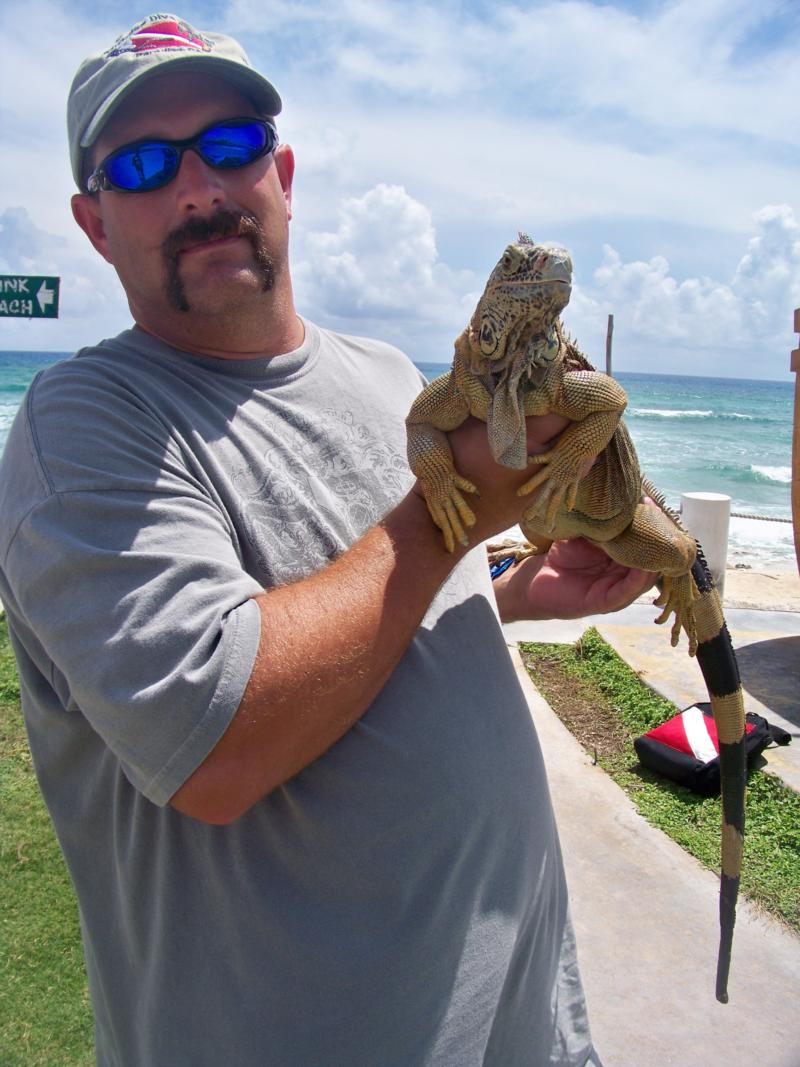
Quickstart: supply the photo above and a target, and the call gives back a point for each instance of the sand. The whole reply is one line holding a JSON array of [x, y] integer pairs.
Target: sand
[[768, 590]]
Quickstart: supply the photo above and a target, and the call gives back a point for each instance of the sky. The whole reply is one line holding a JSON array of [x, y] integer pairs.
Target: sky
[[658, 141]]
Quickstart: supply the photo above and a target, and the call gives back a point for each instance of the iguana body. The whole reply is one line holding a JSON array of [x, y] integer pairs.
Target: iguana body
[[513, 360]]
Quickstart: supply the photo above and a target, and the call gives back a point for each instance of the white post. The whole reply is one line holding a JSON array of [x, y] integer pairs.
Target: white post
[[707, 517]]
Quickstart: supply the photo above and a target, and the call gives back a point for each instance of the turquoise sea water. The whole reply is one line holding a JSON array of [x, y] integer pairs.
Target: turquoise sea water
[[721, 435]]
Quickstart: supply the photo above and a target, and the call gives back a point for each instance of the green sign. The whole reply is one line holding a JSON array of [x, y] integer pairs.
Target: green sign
[[29, 297]]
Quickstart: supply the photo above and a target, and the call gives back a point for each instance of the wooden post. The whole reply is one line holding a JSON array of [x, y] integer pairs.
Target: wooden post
[[609, 336], [794, 365]]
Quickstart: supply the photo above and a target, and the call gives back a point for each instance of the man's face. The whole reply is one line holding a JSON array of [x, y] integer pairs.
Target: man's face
[[211, 241]]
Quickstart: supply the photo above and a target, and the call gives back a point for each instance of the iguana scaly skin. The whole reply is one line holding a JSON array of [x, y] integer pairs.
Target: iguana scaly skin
[[514, 360]]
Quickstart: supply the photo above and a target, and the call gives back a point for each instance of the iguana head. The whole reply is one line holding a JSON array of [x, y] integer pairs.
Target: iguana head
[[514, 334], [515, 320]]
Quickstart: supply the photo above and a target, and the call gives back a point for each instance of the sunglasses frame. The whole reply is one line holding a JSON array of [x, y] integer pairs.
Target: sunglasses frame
[[99, 180]]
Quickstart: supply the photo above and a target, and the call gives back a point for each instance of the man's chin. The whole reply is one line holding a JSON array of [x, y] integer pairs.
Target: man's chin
[[223, 289]]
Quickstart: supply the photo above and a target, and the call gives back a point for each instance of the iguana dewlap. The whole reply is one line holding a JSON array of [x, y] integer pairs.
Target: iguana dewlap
[[514, 360]]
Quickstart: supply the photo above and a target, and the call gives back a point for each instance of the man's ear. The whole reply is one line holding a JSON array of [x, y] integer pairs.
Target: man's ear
[[284, 164], [86, 212]]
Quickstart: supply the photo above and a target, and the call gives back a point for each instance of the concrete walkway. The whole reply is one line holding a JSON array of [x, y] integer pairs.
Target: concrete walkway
[[645, 911]]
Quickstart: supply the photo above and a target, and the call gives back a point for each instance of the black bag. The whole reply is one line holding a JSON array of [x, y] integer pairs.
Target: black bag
[[685, 748]]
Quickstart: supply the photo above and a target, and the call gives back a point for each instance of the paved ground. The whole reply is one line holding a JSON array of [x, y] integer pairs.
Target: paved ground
[[645, 911], [646, 921]]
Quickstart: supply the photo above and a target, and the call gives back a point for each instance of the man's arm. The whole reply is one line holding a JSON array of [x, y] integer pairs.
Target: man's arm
[[330, 642]]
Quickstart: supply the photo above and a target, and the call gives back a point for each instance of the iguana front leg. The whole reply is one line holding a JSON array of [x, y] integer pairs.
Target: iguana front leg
[[594, 403], [442, 486], [440, 407], [566, 463]]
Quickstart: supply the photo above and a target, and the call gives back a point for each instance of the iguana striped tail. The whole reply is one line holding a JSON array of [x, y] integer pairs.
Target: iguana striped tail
[[717, 659]]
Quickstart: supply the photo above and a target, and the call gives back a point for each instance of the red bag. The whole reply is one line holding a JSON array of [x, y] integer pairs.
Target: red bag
[[685, 748]]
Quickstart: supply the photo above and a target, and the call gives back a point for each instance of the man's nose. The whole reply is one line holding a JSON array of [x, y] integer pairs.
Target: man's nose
[[198, 186]]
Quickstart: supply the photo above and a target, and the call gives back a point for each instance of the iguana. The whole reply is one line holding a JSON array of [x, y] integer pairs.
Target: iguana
[[513, 360]]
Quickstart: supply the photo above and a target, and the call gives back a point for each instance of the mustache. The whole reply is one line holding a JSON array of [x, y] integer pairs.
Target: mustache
[[225, 222]]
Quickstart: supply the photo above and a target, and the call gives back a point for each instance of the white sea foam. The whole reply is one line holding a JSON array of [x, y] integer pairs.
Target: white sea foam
[[761, 545], [667, 413], [774, 474], [688, 413]]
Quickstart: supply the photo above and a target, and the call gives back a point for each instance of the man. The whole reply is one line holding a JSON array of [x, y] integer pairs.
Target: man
[[275, 723]]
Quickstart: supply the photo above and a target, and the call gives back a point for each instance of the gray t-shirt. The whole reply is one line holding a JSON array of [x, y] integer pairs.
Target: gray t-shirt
[[401, 901]]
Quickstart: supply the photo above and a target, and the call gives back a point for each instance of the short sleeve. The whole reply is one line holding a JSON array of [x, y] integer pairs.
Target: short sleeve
[[127, 570]]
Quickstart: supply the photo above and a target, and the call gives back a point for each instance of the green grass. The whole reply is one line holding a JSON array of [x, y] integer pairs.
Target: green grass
[[590, 674], [45, 1019]]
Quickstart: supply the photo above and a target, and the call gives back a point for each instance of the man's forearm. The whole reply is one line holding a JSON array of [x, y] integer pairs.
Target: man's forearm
[[330, 642], [328, 645]]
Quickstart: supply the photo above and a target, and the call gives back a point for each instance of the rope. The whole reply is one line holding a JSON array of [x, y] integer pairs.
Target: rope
[[761, 518]]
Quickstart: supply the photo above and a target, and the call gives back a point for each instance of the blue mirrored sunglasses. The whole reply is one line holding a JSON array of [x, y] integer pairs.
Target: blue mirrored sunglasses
[[145, 165]]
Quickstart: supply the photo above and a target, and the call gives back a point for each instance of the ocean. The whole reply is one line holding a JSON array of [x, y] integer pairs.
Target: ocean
[[693, 434]]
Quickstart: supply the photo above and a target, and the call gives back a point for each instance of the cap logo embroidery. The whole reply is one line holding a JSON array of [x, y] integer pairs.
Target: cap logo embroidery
[[160, 33]]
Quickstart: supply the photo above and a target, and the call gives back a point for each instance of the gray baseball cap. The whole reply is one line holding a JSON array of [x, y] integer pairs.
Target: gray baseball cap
[[156, 45]]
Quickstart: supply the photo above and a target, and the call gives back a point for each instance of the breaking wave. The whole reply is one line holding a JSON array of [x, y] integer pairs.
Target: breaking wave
[[773, 474], [686, 413]]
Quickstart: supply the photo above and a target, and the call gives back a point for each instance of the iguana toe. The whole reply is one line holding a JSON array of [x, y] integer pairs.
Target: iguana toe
[[447, 507], [451, 515], [555, 492], [533, 483], [677, 597]]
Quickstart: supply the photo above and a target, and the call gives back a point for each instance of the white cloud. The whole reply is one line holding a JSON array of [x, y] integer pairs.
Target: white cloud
[[656, 129], [40, 55], [657, 305], [271, 16], [381, 261], [381, 271], [409, 49], [676, 66], [24, 248], [768, 275], [748, 315]]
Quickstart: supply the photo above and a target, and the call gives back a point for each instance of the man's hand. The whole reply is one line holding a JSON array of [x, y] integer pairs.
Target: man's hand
[[497, 505], [575, 578]]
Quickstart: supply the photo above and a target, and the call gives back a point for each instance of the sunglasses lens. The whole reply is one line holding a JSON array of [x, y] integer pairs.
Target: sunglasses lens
[[145, 166], [235, 145]]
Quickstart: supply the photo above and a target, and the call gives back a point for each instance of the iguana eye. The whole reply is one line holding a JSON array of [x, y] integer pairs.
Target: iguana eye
[[511, 259], [488, 337]]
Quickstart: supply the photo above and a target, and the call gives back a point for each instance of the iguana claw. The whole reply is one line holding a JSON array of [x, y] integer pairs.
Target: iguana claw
[[677, 597], [448, 508], [560, 483]]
